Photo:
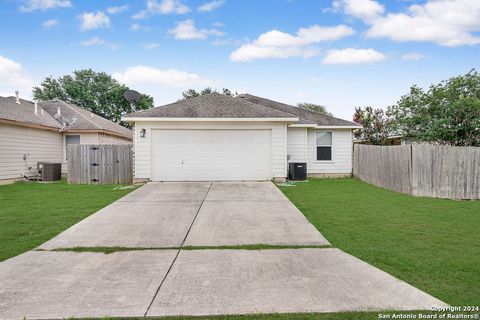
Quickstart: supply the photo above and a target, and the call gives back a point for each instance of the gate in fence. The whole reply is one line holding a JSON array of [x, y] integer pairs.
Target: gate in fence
[[100, 164]]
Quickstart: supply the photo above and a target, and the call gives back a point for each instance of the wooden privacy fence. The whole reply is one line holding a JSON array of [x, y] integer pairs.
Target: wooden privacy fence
[[421, 170], [100, 164]]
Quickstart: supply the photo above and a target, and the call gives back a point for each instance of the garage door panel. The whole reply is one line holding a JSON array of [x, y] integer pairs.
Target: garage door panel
[[193, 155]]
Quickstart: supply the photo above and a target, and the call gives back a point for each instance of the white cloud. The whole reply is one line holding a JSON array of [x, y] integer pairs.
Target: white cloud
[[162, 7], [186, 30], [366, 10], [353, 56], [50, 23], [150, 45], [413, 56], [141, 75], [13, 77], [43, 5], [93, 20], [278, 44], [210, 6], [92, 42], [140, 15], [444, 22], [135, 27], [138, 27], [118, 9], [96, 41]]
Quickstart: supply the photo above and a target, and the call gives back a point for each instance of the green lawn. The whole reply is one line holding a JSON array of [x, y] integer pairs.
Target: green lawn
[[32, 213], [433, 244]]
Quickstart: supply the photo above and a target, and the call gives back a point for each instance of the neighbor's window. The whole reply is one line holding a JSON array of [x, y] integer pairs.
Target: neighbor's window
[[323, 144], [70, 139]]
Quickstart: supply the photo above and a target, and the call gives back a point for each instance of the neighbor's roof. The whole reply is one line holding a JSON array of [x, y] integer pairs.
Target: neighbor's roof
[[85, 120], [24, 112], [213, 105], [306, 116]]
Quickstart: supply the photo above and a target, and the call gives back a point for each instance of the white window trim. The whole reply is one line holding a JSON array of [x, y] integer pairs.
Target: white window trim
[[322, 145], [65, 143]]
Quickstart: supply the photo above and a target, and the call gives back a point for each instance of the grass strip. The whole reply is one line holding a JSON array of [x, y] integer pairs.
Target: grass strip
[[108, 250]]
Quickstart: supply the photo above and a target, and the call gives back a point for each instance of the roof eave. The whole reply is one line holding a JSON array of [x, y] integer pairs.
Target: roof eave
[[99, 131], [338, 127], [156, 119], [302, 125], [29, 124]]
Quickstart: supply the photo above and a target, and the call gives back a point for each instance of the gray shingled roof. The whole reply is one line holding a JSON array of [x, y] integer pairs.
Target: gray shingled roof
[[85, 120], [213, 105], [24, 112], [306, 116]]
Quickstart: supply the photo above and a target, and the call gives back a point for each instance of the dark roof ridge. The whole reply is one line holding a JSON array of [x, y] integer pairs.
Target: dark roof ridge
[[219, 95]]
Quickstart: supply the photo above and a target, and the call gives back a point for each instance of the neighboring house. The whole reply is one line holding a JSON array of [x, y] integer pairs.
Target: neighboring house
[[393, 140], [218, 137], [31, 133]]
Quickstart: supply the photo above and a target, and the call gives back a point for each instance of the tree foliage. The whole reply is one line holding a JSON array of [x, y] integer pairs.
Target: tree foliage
[[97, 92], [191, 93], [314, 107], [447, 113], [376, 123]]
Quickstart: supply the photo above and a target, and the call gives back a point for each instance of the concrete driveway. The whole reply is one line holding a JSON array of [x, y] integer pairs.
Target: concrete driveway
[[160, 278], [159, 215]]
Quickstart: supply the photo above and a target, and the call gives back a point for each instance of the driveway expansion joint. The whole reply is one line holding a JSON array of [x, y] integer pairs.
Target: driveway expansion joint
[[178, 252]]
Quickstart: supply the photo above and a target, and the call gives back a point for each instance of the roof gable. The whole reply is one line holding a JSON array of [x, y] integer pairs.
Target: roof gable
[[24, 113], [213, 105], [306, 116]]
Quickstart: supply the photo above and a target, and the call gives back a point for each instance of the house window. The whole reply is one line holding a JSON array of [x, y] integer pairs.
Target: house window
[[70, 139], [323, 145]]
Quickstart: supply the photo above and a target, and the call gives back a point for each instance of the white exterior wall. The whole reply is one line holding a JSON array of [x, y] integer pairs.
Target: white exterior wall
[[37, 144], [143, 146], [297, 144], [341, 153]]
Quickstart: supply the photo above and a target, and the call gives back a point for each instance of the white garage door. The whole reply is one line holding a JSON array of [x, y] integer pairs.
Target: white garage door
[[203, 155]]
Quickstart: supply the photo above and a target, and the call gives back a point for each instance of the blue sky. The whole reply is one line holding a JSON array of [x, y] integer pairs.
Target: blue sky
[[340, 53]]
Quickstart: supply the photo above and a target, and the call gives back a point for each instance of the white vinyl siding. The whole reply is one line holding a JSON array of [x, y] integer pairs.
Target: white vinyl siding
[[37, 144], [104, 138], [88, 138], [297, 144], [143, 146], [341, 162]]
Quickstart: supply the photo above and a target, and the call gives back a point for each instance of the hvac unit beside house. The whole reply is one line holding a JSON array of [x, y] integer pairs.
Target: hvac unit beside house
[[49, 171], [297, 171]]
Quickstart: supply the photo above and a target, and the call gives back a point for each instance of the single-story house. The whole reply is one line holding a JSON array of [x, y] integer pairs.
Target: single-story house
[[41, 132], [218, 137]]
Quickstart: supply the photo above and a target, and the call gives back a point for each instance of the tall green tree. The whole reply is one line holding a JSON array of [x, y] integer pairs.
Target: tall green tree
[[97, 92], [447, 113], [314, 107], [191, 93], [376, 125]]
